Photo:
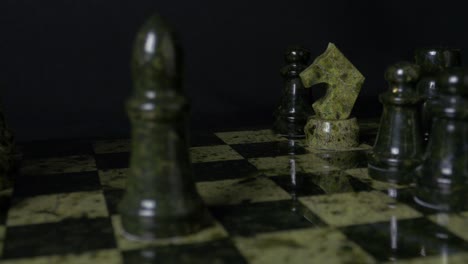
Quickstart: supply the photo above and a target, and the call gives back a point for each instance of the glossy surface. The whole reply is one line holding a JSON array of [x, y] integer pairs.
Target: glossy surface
[[343, 79], [432, 62], [332, 134], [443, 176], [398, 147], [274, 201], [161, 199], [292, 112]]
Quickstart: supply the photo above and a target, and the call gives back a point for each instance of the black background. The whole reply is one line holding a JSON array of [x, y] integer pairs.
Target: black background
[[64, 64]]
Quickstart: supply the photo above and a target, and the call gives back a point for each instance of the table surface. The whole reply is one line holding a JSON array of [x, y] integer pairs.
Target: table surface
[[62, 207]]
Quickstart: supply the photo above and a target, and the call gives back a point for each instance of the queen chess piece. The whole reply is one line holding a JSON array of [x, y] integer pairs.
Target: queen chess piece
[[398, 146], [292, 112], [161, 200], [442, 178]]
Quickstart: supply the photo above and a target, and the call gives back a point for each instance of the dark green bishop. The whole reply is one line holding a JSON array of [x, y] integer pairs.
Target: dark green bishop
[[398, 147], [161, 199], [443, 176]]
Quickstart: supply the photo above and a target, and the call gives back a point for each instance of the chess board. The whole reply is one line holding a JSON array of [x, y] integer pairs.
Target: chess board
[[269, 206]]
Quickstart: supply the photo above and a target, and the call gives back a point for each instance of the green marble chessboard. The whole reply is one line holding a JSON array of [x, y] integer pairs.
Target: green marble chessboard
[[269, 206]]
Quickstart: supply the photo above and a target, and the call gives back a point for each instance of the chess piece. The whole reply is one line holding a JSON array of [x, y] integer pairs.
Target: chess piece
[[432, 61], [292, 113], [7, 154], [398, 146], [442, 179], [331, 127], [161, 199]]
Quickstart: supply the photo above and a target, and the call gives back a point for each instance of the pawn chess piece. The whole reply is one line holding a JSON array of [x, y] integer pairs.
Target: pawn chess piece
[[292, 113], [161, 199], [398, 146], [442, 179], [432, 62]]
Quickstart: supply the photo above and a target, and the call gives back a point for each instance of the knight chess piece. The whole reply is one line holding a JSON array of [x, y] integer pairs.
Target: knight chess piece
[[332, 127], [161, 199], [398, 146], [442, 179], [292, 112], [432, 62]]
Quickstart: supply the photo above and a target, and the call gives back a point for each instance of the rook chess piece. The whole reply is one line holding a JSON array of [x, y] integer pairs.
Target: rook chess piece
[[442, 179], [161, 199], [432, 62], [398, 146], [292, 113]]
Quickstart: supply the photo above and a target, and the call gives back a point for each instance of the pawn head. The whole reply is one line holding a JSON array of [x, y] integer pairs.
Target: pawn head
[[297, 54], [402, 73]]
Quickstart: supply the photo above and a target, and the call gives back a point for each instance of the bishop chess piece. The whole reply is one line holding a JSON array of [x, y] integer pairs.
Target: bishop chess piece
[[398, 146], [161, 199], [442, 179], [332, 127], [292, 112], [432, 62]]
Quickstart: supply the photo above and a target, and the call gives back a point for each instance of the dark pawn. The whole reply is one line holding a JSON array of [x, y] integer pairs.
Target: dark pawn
[[161, 199], [398, 147], [432, 62], [442, 179], [292, 113]]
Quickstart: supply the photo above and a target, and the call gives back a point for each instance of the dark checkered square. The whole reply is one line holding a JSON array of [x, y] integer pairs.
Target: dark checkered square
[[250, 219], [219, 251], [267, 149], [69, 236], [222, 170], [30, 185], [405, 239]]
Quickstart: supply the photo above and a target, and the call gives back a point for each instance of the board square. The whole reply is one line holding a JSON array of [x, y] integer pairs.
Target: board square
[[455, 222], [351, 208], [402, 239], [5, 200], [56, 207], [55, 149], [108, 161], [30, 185], [213, 153], [250, 219], [251, 136], [311, 245], [283, 165], [113, 198], [219, 251], [111, 146], [237, 191], [2, 239], [199, 139], [70, 236], [114, 178], [267, 149], [301, 184], [69, 164], [363, 175], [105, 256], [223, 170]]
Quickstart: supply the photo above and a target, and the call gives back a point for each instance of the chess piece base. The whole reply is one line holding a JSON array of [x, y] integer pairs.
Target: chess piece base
[[151, 228], [396, 174], [331, 134]]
